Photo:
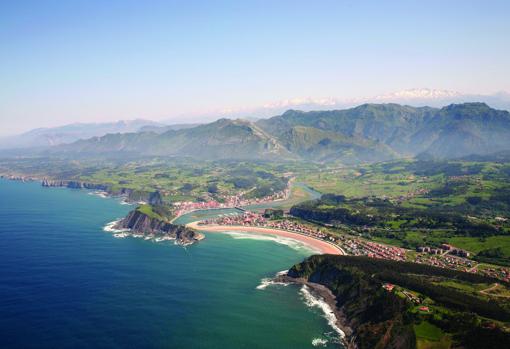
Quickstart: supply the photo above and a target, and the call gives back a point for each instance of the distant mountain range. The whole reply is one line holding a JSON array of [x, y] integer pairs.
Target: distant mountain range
[[51, 136], [42, 137], [369, 132]]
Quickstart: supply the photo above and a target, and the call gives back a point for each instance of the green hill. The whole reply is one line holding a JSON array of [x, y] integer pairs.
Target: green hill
[[423, 307], [367, 133]]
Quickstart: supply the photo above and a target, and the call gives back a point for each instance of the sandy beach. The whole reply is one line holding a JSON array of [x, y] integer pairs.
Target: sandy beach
[[316, 244]]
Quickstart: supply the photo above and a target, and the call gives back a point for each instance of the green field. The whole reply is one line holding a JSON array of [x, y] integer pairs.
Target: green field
[[476, 245], [426, 330], [176, 179], [429, 336], [420, 203]]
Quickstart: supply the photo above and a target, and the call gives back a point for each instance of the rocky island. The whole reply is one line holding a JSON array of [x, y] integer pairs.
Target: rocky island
[[151, 222]]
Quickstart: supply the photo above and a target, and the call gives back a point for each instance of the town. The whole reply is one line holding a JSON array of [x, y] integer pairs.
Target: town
[[232, 201], [446, 256]]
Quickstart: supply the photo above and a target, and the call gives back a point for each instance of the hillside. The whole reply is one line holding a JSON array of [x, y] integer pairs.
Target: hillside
[[222, 139], [367, 133], [453, 131], [390, 304]]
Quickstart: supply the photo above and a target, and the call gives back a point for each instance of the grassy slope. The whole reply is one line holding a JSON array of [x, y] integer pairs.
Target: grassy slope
[[148, 211]]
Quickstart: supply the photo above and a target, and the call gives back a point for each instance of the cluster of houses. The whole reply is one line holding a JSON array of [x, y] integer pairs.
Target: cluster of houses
[[246, 219], [499, 273], [358, 247], [409, 295], [412, 194], [189, 206], [453, 258], [231, 201], [300, 228], [257, 220], [447, 261], [443, 249]]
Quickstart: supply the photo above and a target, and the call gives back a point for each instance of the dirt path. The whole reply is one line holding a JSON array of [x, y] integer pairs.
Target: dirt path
[[492, 288]]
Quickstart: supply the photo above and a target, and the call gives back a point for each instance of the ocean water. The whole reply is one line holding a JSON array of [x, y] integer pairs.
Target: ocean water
[[65, 283]]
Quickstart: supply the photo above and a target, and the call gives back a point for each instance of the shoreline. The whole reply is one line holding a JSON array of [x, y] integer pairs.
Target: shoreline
[[316, 244], [348, 336]]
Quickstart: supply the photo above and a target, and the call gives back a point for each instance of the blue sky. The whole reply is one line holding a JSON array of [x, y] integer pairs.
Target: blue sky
[[69, 61]]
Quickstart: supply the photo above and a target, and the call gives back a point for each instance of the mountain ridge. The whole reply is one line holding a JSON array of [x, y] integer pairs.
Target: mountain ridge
[[366, 133]]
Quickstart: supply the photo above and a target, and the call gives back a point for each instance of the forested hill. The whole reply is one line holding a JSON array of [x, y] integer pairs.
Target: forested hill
[[370, 132], [402, 305], [453, 131]]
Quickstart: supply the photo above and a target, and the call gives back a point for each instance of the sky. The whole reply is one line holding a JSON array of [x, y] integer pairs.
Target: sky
[[93, 61]]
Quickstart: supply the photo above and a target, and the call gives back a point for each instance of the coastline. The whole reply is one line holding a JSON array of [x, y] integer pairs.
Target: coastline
[[317, 244], [318, 291], [347, 335], [156, 270]]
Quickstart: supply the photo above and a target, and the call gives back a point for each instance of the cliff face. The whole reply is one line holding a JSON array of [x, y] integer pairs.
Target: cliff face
[[141, 223], [131, 194], [73, 184], [382, 318], [376, 318]]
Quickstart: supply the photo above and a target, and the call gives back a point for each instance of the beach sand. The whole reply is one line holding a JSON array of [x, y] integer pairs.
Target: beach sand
[[316, 244]]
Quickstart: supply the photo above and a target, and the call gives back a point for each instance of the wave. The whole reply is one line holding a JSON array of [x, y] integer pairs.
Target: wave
[[265, 282], [121, 235], [294, 244], [314, 301], [100, 193], [109, 227], [319, 342]]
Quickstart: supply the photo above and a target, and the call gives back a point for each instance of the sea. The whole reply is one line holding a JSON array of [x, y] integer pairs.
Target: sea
[[65, 282]]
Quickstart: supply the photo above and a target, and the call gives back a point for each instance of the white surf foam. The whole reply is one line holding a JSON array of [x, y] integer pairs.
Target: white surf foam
[[265, 282], [124, 233], [109, 227], [100, 193], [294, 244], [313, 301], [319, 342], [121, 235]]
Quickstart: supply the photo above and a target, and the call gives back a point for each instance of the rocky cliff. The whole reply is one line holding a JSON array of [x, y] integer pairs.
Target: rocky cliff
[[376, 317], [130, 194], [73, 184], [140, 222], [368, 316]]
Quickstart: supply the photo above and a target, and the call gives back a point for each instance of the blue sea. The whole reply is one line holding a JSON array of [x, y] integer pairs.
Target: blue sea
[[66, 283]]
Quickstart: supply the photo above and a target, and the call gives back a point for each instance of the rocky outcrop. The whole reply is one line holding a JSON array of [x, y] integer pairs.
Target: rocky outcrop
[[130, 194], [370, 298], [141, 223], [74, 184], [155, 198], [369, 317]]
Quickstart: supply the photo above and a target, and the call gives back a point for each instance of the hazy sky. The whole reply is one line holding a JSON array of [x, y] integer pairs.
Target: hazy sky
[[68, 61]]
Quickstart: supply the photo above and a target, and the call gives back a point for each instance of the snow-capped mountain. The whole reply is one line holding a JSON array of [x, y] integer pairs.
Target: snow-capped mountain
[[414, 97]]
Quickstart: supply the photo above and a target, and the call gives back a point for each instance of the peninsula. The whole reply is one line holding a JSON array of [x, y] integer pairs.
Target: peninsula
[[150, 222]]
